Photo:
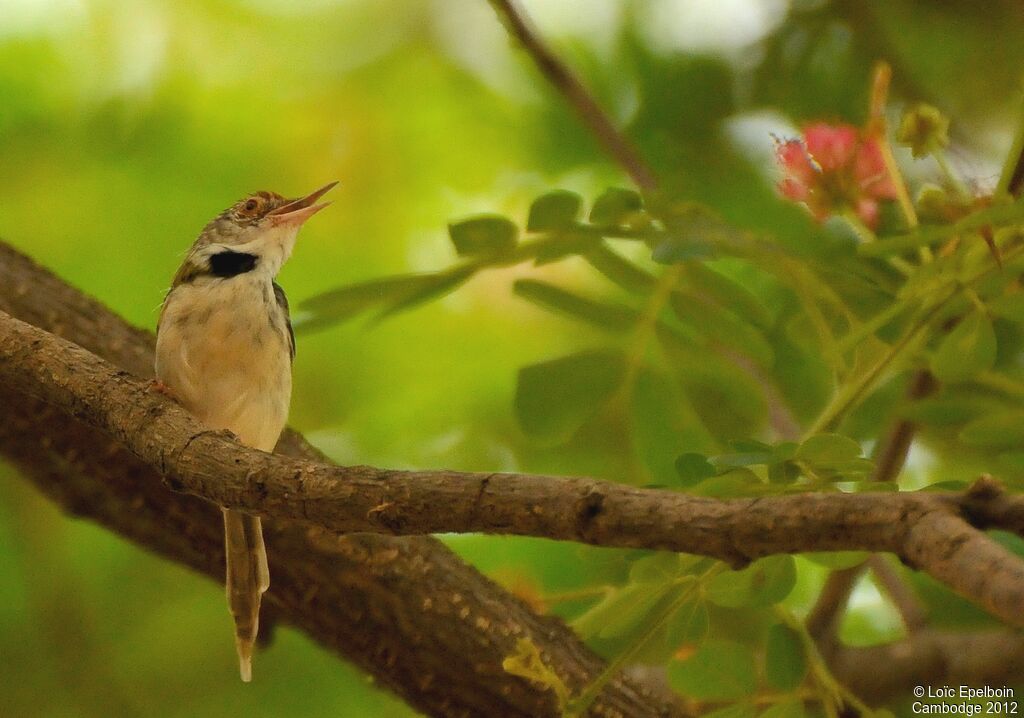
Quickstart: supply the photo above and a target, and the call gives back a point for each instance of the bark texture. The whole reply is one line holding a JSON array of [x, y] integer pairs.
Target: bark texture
[[406, 610], [926, 530]]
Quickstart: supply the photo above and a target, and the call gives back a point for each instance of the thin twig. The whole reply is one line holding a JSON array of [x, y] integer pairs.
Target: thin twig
[[891, 454], [823, 620], [908, 604], [566, 82]]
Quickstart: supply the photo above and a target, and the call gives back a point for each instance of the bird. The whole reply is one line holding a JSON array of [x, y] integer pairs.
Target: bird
[[224, 351]]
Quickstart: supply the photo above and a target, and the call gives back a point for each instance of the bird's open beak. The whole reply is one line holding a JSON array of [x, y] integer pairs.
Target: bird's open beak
[[299, 210]]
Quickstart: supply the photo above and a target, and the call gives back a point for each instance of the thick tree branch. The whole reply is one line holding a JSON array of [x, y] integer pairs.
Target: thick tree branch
[[406, 610], [932, 658], [926, 530], [563, 79]]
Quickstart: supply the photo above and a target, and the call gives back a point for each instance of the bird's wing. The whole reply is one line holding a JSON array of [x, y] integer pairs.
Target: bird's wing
[[282, 301]]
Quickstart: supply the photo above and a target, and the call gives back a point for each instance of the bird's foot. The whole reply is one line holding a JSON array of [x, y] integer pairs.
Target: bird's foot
[[158, 387]]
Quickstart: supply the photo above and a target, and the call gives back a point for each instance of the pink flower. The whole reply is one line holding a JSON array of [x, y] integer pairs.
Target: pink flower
[[835, 169]]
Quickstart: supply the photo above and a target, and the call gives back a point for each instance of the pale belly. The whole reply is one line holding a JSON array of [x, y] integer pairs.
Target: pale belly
[[225, 361]]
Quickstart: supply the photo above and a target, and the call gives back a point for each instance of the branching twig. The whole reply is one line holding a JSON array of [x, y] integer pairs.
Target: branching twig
[[595, 118]]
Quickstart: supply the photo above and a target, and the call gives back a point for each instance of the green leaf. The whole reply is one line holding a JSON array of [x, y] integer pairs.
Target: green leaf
[[751, 446], [721, 326], [696, 233], [432, 286], [833, 457], [484, 234], [786, 709], [694, 468], [828, 449], [949, 409], [728, 400], [720, 670], [785, 664], [620, 270], [753, 458], [995, 215], [736, 710], [555, 398], [728, 293], [627, 610], [553, 211], [565, 245], [837, 559], [613, 317], [763, 583], [338, 305], [615, 206], [622, 611], [688, 626], [783, 472], [967, 350], [740, 482], [662, 424], [660, 567], [1004, 430], [1010, 306]]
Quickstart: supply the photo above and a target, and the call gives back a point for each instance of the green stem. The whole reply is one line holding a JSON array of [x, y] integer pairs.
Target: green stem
[[834, 696], [1001, 383], [997, 216], [876, 322], [955, 182], [648, 322], [578, 706], [850, 395]]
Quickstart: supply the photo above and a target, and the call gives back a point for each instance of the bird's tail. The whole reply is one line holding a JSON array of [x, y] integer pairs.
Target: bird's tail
[[247, 578]]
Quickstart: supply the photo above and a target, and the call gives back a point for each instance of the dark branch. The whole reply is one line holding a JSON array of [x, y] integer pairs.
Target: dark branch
[[932, 658], [563, 79], [911, 610], [925, 529]]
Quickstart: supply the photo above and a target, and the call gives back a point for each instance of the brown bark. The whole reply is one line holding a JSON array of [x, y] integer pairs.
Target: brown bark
[[925, 529], [569, 86], [932, 658], [406, 610]]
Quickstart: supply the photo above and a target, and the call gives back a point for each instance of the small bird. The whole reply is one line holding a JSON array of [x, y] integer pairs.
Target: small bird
[[224, 350]]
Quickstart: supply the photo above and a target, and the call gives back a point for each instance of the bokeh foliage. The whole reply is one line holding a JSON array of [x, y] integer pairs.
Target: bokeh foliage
[[514, 326]]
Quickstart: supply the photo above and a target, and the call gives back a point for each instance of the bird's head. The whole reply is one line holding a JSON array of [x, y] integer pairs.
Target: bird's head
[[264, 224]]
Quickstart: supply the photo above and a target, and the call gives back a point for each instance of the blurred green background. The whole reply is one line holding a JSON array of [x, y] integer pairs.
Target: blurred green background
[[125, 126]]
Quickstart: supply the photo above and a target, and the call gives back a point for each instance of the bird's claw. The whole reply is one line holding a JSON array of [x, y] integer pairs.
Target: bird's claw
[[158, 387]]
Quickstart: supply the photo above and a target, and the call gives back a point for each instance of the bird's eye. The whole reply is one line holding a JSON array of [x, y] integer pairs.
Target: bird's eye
[[250, 205]]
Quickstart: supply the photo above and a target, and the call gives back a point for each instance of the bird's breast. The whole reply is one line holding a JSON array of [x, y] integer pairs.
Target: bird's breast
[[222, 349]]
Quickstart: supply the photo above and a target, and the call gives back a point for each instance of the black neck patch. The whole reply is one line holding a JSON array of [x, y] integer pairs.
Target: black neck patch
[[231, 264]]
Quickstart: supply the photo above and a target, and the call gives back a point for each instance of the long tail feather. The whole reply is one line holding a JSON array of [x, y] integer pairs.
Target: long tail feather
[[247, 579]]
